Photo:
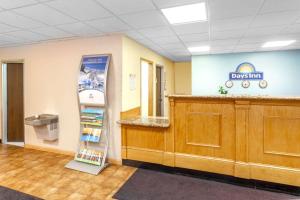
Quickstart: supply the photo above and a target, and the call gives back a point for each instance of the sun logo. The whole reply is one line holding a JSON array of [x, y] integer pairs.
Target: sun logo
[[246, 72]]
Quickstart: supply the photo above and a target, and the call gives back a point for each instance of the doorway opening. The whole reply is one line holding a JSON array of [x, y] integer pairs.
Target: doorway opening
[[13, 103], [146, 88], [160, 88]]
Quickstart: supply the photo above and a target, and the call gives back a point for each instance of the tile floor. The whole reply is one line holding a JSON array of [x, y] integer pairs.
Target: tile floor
[[42, 174]]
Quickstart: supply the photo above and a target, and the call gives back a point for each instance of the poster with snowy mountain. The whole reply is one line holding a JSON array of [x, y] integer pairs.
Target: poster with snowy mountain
[[92, 79]]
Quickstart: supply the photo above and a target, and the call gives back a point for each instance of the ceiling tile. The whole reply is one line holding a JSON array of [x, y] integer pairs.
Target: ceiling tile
[[111, 24], [282, 36], [181, 58], [220, 9], [248, 46], [230, 24], [134, 35], [4, 43], [252, 40], [8, 17], [6, 28], [124, 7], [275, 19], [155, 48], [52, 32], [144, 19], [195, 44], [157, 32], [9, 38], [296, 45], [173, 3], [200, 27], [79, 29], [179, 52], [233, 25], [293, 28], [165, 40], [194, 37], [163, 52], [44, 14], [252, 32], [9, 4], [174, 47], [3, 38], [27, 36], [81, 10], [269, 49], [145, 41], [263, 39], [244, 50], [220, 35], [221, 51], [280, 5], [228, 42]]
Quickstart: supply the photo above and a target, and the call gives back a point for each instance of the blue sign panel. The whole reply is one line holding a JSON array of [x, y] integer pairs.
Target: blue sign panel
[[246, 71]]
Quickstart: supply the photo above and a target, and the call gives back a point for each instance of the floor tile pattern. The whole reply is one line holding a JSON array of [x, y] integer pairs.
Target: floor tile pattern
[[42, 174]]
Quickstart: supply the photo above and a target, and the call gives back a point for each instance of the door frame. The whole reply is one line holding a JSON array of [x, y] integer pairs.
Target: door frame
[[150, 86], [4, 97], [162, 89]]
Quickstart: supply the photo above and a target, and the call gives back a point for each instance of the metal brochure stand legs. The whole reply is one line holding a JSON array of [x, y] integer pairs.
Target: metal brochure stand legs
[[94, 120]]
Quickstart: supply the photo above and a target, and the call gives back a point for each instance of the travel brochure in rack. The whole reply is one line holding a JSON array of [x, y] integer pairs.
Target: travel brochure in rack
[[94, 128]]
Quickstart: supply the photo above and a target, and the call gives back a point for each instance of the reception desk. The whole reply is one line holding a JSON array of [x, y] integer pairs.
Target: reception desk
[[144, 138], [242, 136]]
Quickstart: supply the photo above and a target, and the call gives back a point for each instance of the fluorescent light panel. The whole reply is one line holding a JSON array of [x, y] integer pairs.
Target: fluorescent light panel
[[199, 49], [278, 43], [186, 14]]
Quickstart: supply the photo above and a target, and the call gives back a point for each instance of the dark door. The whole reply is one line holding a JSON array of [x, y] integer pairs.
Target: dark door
[[158, 91], [15, 107]]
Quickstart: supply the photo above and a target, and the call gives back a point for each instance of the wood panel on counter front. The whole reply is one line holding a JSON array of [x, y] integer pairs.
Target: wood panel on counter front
[[252, 138]]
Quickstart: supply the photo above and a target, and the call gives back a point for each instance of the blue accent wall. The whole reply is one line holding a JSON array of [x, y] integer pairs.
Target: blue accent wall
[[281, 70]]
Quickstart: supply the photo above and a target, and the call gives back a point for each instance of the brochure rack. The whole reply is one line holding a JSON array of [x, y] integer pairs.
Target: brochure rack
[[94, 124]]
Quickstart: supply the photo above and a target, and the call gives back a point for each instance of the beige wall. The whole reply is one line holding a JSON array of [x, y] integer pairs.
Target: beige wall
[[183, 78], [132, 54], [51, 70]]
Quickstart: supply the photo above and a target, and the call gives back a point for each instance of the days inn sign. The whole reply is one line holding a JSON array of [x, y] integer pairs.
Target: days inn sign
[[246, 72]]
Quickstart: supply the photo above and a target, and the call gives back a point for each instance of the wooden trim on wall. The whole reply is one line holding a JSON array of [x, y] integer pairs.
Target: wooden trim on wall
[[62, 152], [131, 113]]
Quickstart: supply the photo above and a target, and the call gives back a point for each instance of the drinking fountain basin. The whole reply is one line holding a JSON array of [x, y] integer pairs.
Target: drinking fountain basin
[[41, 120]]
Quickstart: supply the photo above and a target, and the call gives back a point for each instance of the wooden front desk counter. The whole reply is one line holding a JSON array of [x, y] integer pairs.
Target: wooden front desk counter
[[247, 137]]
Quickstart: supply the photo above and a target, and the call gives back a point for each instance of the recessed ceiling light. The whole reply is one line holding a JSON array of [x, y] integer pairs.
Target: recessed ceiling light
[[186, 14], [278, 43], [199, 49]]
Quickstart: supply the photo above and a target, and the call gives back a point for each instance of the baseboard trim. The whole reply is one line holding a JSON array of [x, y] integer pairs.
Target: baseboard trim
[[205, 163], [258, 184], [63, 152], [49, 149]]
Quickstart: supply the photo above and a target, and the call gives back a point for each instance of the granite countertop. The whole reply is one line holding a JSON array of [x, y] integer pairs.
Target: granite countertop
[[238, 97], [160, 122]]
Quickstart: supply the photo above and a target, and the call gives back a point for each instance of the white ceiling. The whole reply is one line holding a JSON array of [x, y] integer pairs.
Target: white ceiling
[[232, 26]]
